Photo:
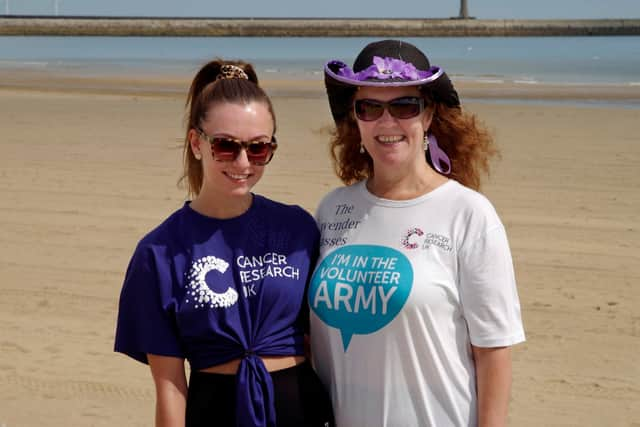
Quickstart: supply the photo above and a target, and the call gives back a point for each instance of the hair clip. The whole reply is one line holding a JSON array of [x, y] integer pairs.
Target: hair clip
[[229, 71]]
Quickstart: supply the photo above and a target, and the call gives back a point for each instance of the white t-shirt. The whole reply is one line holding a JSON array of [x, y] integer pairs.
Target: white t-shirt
[[400, 292]]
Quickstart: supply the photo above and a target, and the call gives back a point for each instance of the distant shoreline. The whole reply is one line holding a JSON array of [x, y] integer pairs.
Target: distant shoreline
[[20, 25], [140, 83]]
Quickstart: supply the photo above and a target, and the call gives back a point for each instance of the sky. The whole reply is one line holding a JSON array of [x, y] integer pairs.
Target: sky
[[481, 9]]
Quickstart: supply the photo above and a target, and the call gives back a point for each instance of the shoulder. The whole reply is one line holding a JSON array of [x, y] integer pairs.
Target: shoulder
[[164, 233], [470, 202], [471, 213], [344, 191], [281, 213]]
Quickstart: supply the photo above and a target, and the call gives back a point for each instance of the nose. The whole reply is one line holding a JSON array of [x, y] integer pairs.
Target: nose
[[242, 160], [386, 115]]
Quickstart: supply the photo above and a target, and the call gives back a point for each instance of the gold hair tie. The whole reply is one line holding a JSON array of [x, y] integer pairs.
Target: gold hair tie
[[229, 71]]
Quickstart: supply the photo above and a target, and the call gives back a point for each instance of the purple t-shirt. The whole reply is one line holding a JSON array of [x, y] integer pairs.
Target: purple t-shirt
[[212, 290]]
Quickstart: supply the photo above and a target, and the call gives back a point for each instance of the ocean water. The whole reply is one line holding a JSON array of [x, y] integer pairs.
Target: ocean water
[[523, 60]]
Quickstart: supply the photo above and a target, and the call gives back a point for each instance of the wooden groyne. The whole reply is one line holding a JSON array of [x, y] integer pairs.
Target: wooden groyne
[[302, 27]]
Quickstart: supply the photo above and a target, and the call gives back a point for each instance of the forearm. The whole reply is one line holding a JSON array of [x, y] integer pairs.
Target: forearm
[[171, 404], [171, 391], [493, 376]]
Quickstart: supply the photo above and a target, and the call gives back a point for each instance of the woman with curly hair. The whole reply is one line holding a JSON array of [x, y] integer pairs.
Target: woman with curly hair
[[414, 302]]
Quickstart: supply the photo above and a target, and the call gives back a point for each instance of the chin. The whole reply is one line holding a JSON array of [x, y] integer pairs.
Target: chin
[[239, 191], [392, 159]]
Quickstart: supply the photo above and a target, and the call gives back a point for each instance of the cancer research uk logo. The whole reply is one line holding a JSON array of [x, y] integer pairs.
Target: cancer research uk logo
[[359, 289], [202, 295], [412, 238], [251, 271]]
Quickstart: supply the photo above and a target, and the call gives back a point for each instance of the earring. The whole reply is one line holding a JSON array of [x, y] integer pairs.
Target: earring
[[198, 156], [425, 144], [361, 148]]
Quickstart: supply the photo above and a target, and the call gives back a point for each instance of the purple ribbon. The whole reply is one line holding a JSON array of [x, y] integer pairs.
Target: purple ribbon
[[438, 157]]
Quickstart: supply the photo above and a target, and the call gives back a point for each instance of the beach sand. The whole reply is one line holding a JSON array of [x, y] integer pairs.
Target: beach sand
[[87, 166]]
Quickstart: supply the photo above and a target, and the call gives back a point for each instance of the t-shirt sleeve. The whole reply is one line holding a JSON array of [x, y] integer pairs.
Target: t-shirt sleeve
[[146, 320], [488, 291]]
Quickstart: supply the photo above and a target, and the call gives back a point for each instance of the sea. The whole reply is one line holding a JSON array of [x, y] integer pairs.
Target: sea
[[521, 60]]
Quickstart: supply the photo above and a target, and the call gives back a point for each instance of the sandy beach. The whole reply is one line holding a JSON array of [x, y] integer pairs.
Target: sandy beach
[[89, 165]]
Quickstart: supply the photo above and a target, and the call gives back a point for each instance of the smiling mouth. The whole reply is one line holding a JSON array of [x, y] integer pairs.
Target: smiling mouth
[[237, 177], [389, 139]]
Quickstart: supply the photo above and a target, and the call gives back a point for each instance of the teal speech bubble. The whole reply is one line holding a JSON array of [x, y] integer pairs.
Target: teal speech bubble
[[359, 289]]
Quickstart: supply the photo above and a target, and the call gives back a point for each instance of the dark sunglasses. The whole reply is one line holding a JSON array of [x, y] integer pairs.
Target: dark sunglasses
[[228, 149], [406, 107]]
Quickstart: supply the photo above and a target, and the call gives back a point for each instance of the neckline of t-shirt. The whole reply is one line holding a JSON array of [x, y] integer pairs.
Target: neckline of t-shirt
[[403, 203], [212, 220]]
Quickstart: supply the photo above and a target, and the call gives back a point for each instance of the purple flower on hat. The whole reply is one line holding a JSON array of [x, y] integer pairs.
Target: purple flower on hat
[[384, 69], [392, 68], [344, 70]]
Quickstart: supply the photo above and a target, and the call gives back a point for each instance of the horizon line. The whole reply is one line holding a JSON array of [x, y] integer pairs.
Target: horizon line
[[302, 18]]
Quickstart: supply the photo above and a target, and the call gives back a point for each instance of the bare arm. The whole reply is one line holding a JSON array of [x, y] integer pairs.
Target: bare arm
[[171, 390], [493, 372]]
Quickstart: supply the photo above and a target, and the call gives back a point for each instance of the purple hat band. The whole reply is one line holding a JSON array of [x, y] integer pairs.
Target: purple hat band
[[384, 72]]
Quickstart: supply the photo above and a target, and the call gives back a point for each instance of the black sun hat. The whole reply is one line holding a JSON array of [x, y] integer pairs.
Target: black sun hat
[[386, 63]]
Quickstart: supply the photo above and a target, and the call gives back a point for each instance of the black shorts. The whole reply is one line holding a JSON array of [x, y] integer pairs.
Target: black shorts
[[300, 399]]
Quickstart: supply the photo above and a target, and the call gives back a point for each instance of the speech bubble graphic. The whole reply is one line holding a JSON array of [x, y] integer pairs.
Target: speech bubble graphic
[[359, 289]]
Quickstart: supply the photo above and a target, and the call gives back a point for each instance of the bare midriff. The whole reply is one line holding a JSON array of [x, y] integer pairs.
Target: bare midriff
[[272, 363]]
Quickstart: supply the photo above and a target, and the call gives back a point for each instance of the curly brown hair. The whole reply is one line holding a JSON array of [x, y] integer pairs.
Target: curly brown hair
[[461, 135]]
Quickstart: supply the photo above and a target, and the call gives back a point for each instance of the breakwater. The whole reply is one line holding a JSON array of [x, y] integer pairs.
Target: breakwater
[[308, 27]]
